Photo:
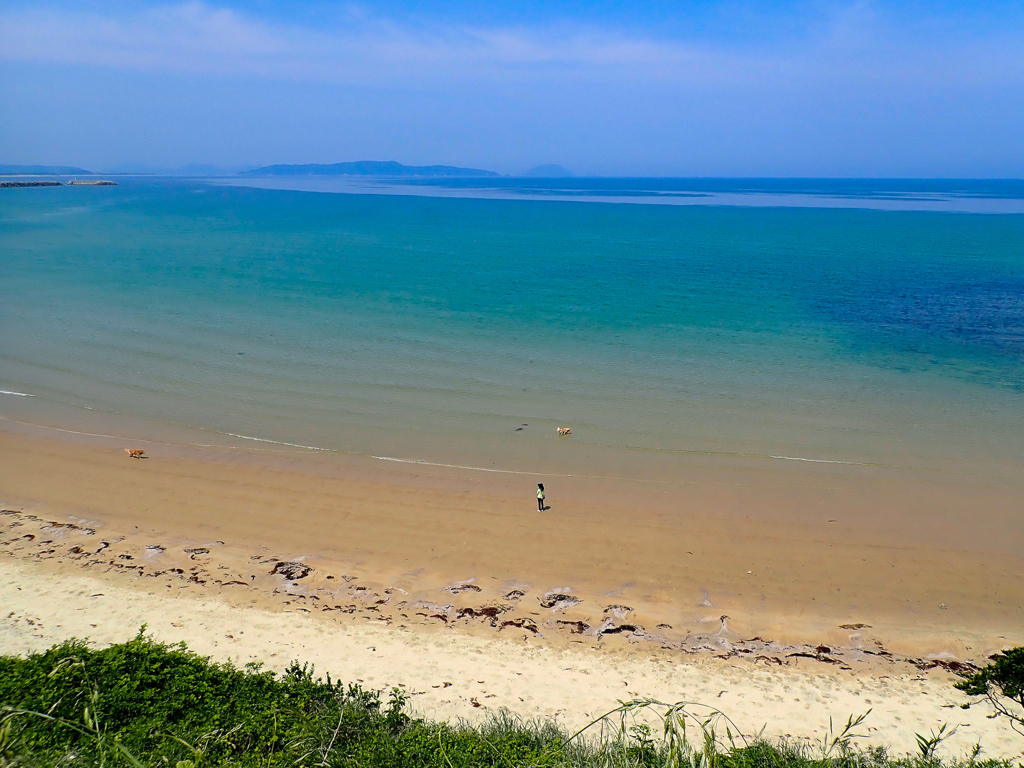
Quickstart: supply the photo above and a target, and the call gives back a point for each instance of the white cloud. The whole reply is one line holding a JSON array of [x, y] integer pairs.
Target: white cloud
[[197, 38]]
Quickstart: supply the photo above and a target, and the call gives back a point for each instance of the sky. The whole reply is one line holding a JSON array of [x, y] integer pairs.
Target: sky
[[603, 87]]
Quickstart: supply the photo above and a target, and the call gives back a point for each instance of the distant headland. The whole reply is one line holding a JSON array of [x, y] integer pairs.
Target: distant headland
[[43, 170], [365, 168]]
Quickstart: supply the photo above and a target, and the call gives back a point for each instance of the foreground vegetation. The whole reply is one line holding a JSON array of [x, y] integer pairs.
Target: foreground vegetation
[[146, 704]]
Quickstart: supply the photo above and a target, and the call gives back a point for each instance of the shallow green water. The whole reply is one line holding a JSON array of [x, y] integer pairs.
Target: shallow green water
[[432, 328]]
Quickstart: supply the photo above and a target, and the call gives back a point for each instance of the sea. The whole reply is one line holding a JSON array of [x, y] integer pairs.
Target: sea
[[667, 322]]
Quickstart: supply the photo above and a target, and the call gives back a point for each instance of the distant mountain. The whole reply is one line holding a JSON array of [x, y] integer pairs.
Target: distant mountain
[[44, 170], [366, 168], [548, 171]]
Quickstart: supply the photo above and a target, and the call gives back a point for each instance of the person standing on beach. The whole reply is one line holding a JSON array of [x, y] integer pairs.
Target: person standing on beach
[[540, 497]]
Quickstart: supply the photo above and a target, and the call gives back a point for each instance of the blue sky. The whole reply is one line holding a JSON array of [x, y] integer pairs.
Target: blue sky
[[620, 88]]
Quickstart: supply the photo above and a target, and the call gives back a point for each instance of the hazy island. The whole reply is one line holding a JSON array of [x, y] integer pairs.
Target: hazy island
[[365, 168], [548, 171], [43, 170]]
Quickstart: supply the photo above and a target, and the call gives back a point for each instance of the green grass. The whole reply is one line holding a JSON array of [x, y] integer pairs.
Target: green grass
[[142, 703]]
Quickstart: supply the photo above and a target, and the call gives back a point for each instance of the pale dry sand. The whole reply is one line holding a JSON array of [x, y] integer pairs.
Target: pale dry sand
[[449, 675]]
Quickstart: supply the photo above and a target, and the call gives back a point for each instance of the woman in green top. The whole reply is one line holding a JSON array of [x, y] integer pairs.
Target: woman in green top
[[540, 497]]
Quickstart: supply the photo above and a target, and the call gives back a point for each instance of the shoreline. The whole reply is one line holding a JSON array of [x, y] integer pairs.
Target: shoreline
[[456, 675]]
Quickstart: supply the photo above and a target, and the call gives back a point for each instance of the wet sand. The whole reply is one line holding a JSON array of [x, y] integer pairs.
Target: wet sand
[[791, 557]]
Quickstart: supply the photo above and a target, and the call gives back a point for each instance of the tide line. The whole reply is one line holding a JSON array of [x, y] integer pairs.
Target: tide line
[[742, 455], [281, 442], [822, 461], [468, 467], [426, 463], [690, 451], [101, 434]]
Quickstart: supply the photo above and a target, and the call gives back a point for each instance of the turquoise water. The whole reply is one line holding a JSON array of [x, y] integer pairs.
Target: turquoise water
[[432, 327]]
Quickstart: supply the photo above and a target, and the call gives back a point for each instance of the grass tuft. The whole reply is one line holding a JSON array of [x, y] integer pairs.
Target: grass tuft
[[147, 705]]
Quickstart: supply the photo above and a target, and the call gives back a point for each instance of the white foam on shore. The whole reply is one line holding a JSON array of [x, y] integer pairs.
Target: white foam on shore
[[12, 392], [281, 442], [99, 434], [742, 455], [426, 463], [820, 461]]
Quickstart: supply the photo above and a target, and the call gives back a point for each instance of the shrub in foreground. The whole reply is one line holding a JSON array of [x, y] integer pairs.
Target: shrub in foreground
[[1002, 683], [144, 704]]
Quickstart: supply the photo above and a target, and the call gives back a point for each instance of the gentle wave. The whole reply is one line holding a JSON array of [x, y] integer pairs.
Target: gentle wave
[[92, 434], [426, 463], [741, 455], [545, 474], [279, 442], [821, 461], [468, 467], [12, 392]]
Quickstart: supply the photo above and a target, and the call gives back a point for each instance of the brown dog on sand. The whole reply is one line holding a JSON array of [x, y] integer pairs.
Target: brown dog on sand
[[135, 453], [564, 431]]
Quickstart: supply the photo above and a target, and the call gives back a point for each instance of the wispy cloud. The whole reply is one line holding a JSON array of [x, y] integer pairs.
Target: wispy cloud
[[198, 38], [847, 87]]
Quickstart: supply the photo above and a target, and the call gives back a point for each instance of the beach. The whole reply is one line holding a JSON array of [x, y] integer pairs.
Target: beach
[[406, 576], [424, 529], [468, 670], [795, 460], [525, 384]]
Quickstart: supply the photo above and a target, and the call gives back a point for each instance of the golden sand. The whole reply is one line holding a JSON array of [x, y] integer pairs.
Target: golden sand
[[784, 597], [928, 566]]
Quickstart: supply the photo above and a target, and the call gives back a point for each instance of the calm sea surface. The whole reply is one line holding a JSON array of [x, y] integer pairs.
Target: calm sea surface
[[862, 322]]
